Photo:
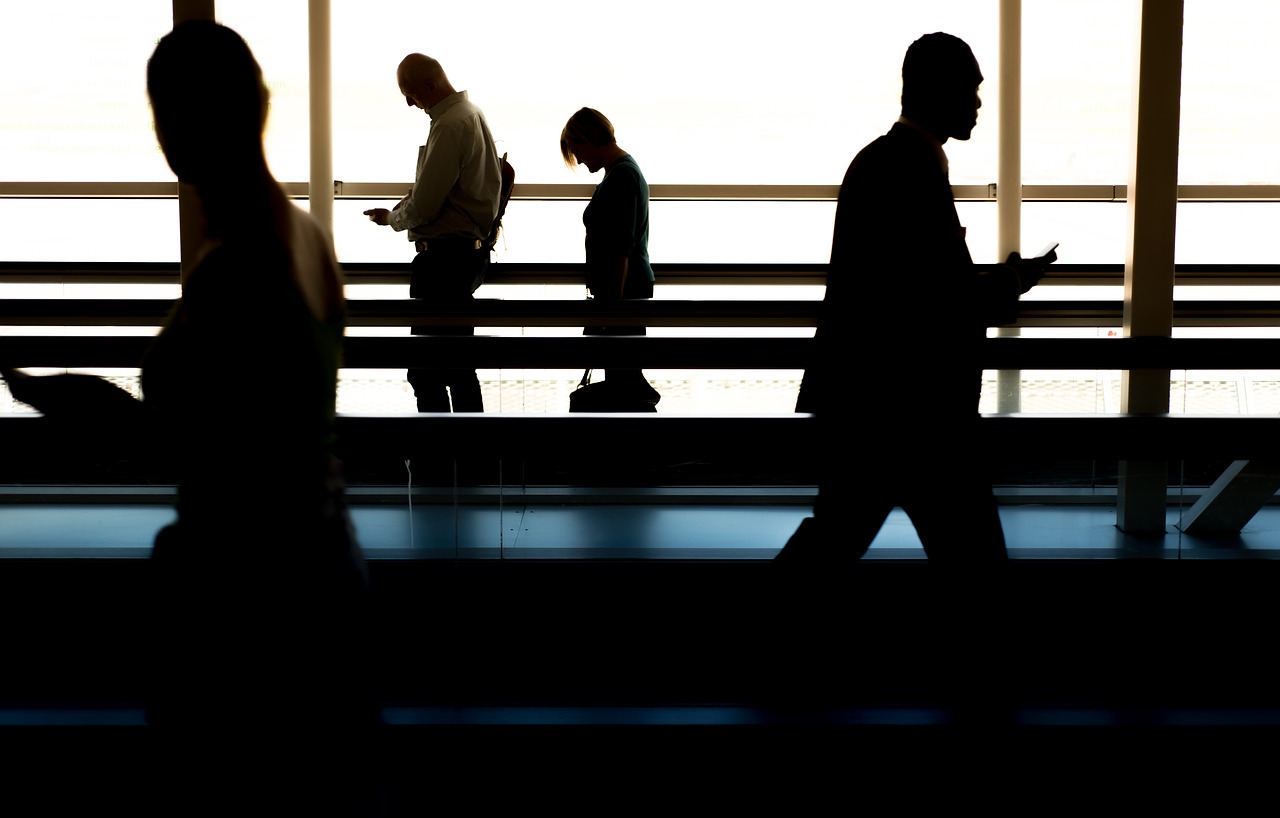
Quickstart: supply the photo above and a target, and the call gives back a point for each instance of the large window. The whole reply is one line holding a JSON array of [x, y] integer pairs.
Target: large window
[[708, 93]]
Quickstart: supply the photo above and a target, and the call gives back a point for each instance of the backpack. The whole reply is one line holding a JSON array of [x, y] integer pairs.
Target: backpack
[[504, 195]]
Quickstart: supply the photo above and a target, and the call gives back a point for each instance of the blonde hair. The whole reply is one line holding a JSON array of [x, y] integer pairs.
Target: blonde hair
[[586, 126]]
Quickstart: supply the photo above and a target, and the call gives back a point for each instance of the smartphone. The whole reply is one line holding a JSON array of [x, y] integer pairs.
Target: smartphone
[[1048, 253]]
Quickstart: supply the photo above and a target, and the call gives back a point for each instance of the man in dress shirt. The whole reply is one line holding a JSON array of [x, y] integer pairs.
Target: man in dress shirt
[[448, 215]]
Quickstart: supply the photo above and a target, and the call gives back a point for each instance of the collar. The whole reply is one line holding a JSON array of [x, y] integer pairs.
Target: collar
[[931, 139], [442, 107]]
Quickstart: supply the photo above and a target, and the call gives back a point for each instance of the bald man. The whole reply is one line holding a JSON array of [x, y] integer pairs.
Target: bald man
[[448, 215]]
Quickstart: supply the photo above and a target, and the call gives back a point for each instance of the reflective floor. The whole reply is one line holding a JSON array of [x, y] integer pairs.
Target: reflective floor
[[660, 528]]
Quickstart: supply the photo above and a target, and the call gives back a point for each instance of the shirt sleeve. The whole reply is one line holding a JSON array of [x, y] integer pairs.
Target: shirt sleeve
[[437, 175]]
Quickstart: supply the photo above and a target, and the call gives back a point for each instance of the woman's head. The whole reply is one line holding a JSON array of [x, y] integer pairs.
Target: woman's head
[[586, 132], [208, 100]]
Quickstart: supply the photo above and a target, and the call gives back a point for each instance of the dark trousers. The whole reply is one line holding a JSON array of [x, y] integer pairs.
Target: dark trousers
[[631, 377], [447, 273], [931, 467]]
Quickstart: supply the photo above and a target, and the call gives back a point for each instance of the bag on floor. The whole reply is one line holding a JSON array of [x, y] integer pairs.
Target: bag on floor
[[603, 396]]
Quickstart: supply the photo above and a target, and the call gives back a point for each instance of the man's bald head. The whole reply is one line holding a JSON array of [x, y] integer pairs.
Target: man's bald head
[[422, 81]]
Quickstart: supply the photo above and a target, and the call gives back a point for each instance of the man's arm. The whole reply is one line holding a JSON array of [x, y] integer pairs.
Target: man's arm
[[382, 216], [439, 173], [997, 294]]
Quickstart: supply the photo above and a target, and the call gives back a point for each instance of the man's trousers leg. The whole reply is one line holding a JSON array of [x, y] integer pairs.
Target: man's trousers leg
[[447, 275]]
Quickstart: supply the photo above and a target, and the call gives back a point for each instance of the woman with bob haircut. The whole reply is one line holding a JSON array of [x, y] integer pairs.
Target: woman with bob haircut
[[617, 232]]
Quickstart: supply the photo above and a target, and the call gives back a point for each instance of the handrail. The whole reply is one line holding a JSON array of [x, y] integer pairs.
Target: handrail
[[784, 437], [680, 353], [481, 312], [793, 436], [649, 313], [657, 192], [501, 272]]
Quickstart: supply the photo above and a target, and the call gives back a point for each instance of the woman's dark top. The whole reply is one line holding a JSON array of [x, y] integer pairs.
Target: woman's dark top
[[617, 223]]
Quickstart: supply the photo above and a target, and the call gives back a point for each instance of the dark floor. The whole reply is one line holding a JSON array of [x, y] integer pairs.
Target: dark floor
[[605, 658]]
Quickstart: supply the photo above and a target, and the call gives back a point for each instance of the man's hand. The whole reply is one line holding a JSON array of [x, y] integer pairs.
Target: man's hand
[[379, 215], [1029, 270]]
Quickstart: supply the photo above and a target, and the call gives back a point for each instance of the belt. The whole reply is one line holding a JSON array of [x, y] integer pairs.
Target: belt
[[447, 243]]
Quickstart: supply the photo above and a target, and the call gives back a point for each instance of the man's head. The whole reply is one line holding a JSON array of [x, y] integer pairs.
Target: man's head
[[940, 79], [422, 81], [208, 101]]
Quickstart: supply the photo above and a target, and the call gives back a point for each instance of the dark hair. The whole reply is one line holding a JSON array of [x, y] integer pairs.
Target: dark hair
[[206, 90], [586, 126], [935, 65]]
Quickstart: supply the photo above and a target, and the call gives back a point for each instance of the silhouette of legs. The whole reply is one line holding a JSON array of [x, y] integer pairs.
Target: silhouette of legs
[[446, 390], [447, 273], [939, 478]]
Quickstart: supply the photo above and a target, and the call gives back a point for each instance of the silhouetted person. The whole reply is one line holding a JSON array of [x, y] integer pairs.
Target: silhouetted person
[[617, 233], [896, 382], [448, 214], [262, 693]]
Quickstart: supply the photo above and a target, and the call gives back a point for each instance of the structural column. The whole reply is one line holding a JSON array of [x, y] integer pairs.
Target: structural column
[[1149, 259], [320, 189], [1009, 175]]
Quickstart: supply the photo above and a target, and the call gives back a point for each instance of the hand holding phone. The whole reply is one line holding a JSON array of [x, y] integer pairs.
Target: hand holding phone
[[1048, 255], [1031, 270]]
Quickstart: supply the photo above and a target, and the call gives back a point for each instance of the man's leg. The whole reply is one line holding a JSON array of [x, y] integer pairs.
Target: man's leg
[[857, 488], [464, 388], [429, 390], [447, 275], [958, 520], [952, 505]]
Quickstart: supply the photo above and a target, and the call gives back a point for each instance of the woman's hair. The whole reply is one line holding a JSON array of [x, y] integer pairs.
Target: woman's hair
[[206, 92], [586, 127]]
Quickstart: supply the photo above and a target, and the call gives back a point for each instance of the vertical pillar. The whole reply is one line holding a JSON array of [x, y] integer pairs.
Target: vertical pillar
[[190, 213], [320, 189], [1009, 176], [1149, 259]]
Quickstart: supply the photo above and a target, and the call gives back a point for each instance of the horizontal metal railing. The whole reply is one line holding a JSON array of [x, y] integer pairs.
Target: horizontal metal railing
[[656, 352], [657, 192], [34, 312], [676, 274], [791, 438]]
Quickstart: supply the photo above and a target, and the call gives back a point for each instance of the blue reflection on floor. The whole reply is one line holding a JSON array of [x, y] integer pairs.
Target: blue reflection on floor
[[659, 530]]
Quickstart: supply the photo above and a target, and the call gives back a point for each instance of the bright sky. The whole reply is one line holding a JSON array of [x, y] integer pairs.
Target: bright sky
[[701, 91]]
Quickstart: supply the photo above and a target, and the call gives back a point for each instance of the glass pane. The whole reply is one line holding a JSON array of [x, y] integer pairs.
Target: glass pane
[[129, 230], [710, 92], [1077, 87], [1230, 101], [1227, 233], [680, 232], [1087, 232], [278, 35], [75, 91]]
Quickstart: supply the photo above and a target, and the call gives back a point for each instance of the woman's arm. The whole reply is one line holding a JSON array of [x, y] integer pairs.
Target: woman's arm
[[614, 278]]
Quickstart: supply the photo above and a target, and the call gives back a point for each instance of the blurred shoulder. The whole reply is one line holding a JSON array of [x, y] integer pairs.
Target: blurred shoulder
[[314, 264]]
